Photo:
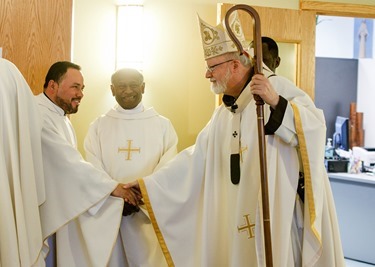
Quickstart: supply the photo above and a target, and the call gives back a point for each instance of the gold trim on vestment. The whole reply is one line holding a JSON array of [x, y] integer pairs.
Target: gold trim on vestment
[[158, 233], [306, 169]]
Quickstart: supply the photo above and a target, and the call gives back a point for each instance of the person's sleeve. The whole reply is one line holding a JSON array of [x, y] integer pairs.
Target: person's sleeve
[[281, 122], [92, 151], [276, 117], [73, 185]]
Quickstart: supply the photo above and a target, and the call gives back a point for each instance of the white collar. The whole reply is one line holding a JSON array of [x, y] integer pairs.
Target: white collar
[[138, 109]]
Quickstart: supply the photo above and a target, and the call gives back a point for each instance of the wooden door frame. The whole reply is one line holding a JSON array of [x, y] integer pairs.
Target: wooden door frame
[[338, 9]]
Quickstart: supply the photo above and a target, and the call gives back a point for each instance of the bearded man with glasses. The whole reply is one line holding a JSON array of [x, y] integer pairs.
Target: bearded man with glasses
[[206, 201]]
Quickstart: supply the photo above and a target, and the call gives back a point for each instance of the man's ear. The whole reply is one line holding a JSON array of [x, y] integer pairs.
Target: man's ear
[[51, 87], [52, 84], [143, 86], [113, 90], [236, 64], [277, 62]]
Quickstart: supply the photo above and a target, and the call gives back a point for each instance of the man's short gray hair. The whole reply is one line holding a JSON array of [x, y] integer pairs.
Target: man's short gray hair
[[245, 61]]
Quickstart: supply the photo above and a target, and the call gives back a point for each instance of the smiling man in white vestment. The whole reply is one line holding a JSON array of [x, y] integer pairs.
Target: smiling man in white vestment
[[206, 203], [21, 172], [128, 142], [86, 226]]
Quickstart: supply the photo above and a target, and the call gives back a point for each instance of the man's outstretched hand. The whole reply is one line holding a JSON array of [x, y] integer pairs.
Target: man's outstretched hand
[[130, 195], [129, 208]]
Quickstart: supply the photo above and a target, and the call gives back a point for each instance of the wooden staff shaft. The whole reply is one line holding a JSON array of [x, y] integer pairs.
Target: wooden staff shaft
[[258, 67]]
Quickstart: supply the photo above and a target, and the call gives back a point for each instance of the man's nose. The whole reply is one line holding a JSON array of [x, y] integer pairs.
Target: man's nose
[[80, 94], [208, 74]]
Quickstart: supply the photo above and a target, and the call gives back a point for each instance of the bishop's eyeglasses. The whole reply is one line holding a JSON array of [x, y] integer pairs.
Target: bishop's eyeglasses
[[212, 68]]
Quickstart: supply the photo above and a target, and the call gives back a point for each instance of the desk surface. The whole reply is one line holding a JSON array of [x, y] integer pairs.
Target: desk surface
[[360, 178], [354, 196]]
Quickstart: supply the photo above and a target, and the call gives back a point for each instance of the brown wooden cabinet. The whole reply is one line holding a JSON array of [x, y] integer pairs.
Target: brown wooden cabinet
[[34, 34]]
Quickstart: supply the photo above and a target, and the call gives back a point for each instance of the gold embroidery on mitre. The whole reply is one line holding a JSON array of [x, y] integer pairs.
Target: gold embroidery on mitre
[[216, 40], [247, 227], [129, 150]]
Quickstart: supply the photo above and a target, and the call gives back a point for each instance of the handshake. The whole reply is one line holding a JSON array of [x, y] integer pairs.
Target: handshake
[[132, 197], [129, 208]]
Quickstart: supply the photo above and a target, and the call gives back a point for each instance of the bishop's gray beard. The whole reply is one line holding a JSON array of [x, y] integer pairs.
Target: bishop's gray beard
[[219, 87]]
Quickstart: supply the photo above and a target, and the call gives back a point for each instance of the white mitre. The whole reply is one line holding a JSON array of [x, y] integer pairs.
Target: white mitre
[[216, 40]]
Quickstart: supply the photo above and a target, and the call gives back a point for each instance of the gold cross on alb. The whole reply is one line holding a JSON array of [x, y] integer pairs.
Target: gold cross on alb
[[242, 149], [248, 227], [129, 149]]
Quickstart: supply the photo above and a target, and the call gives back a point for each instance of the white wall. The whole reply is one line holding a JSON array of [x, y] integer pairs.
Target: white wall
[[366, 98], [335, 38]]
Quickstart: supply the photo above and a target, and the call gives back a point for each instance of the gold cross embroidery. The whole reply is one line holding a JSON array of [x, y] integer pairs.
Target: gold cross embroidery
[[242, 149], [129, 150], [247, 227]]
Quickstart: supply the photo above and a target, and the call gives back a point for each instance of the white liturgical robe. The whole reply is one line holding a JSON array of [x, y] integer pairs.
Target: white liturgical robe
[[129, 144], [73, 186], [203, 219], [21, 172]]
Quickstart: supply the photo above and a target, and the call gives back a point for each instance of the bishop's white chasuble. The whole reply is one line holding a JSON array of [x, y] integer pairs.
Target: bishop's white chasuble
[[204, 219], [129, 144]]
